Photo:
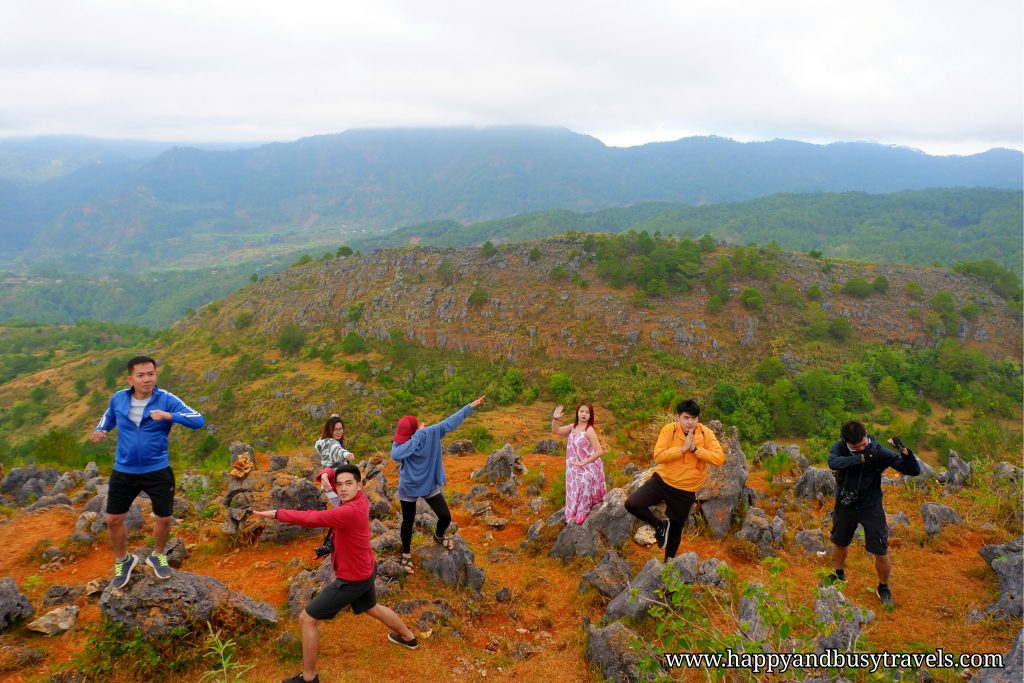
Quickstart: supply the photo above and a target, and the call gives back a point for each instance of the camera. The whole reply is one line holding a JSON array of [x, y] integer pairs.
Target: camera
[[898, 443], [325, 548], [847, 498]]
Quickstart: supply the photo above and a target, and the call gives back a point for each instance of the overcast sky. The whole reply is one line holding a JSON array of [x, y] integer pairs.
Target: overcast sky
[[942, 76]]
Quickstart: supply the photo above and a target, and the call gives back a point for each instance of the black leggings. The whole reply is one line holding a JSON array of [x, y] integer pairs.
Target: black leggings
[[677, 506], [437, 504]]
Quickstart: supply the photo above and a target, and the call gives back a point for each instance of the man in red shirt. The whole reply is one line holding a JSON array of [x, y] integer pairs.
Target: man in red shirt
[[354, 566]]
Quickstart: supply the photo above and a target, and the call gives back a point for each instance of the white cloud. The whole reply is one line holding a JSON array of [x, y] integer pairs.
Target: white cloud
[[942, 76]]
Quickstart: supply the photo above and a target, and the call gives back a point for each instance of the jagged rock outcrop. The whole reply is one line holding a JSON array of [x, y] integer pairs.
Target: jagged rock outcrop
[[610, 650], [455, 567], [811, 540], [958, 471], [305, 586], [770, 449], [1013, 665], [725, 489], [938, 516], [639, 594], [607, 526], [609, 577], [501, 465], [766, 534], [816, 484], [157, 607], [841, 618], [1007, 561], [14, 606]]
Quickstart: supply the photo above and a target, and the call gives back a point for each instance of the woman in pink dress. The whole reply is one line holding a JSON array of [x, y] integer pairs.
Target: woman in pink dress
[[584, 470]]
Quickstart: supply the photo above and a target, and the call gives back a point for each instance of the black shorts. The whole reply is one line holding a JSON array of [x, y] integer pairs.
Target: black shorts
[[677, 501], [123, 488], [360, 595], [876, 529]]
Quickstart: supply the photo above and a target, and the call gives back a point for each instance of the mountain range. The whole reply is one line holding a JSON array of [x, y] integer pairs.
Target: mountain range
[[201, 207]]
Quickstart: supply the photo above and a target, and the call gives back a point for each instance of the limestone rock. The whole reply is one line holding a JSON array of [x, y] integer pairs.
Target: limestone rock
[[56, 621], [609, 577], [937, 516], [842, 619], [1013, 665], [501, 465], [13, 603], [453, 567], [610, 651], [816, 484], [157, 607], [811, 540], [1007, 561], [608, 525], [723, 492], [766, 534]]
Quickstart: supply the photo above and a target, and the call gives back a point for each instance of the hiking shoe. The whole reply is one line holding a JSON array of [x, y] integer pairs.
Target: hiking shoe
[[398, 640], [661, 533], [297, 678], [160, 566], [885, 595], [123, 571]]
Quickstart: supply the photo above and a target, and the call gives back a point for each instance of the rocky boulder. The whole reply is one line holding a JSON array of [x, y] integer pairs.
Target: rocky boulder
[[610, 651], [811, 540], [609, 577], [306, 585], [1007, 561], [937, 516], [725, 489], [608, 525], [267, 491], [14, 606], [460, 447], [1013, 665], [548, 447], [958, 471], [921, 481], [501, 465], [649, 584], [158, 607], [816, 484], [455, 567], [841, 619], [766, 534], [56, 621], [770, 449]]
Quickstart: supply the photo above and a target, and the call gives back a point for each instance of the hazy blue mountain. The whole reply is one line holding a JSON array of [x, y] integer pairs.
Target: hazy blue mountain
[[197, 203]]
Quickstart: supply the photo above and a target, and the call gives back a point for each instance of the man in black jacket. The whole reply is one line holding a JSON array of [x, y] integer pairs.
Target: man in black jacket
[[859, 461]]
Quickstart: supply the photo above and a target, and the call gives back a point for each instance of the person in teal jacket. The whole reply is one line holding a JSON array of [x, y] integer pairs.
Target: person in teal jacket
[[417, 450], [143, 415]]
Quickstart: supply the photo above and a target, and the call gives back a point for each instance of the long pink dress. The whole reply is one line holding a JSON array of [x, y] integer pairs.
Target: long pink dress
[[584, 486]]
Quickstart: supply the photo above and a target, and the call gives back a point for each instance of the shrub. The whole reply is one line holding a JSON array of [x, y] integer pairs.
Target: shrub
[[857, 287], [769, 370], [814, 293], [751, 299], [353, 343], [291, 339], [478, 297], [534, 254], [354, 312], [488, 250], [725, 397], [840, 328], [343, 251], [303, 260], [243, 320], [558, 273], [880, 284], [914, 290], [561, 387], [483, 440]]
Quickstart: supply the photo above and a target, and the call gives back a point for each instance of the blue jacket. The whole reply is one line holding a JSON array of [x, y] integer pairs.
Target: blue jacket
[[866, 477], [143, 449], [422, 469]]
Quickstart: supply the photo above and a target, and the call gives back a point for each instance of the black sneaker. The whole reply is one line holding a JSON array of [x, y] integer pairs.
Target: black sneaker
[[297, 678], [398, 640], [885, 595], [123, 571], [661, 533], [160, 566]]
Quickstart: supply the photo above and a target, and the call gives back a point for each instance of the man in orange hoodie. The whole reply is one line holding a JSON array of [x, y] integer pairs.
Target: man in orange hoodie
[[684, 450]]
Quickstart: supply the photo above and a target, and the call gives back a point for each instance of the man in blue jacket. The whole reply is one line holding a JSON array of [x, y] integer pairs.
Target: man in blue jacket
[[859, 461], [143, 415]]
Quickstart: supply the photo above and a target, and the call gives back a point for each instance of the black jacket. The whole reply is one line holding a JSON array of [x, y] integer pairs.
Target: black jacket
[[866, 477]]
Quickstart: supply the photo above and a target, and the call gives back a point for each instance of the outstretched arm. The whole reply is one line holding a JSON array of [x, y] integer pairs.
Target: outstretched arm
[[450, 423]]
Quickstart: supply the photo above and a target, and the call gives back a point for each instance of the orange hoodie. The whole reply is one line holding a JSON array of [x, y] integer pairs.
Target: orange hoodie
[[686, 471]]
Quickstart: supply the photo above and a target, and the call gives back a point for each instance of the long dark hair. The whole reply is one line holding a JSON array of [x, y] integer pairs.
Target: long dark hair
[[576, 415], [328, 431]]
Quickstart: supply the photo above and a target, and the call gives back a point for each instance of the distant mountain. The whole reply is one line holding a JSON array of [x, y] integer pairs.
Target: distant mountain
[[918, 227], [193, 202]]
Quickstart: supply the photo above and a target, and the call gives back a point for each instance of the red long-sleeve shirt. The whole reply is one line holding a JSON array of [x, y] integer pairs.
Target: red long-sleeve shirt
[[353, 559]]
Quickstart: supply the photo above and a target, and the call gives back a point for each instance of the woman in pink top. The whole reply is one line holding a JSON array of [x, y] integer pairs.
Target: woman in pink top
[[584, 470]]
